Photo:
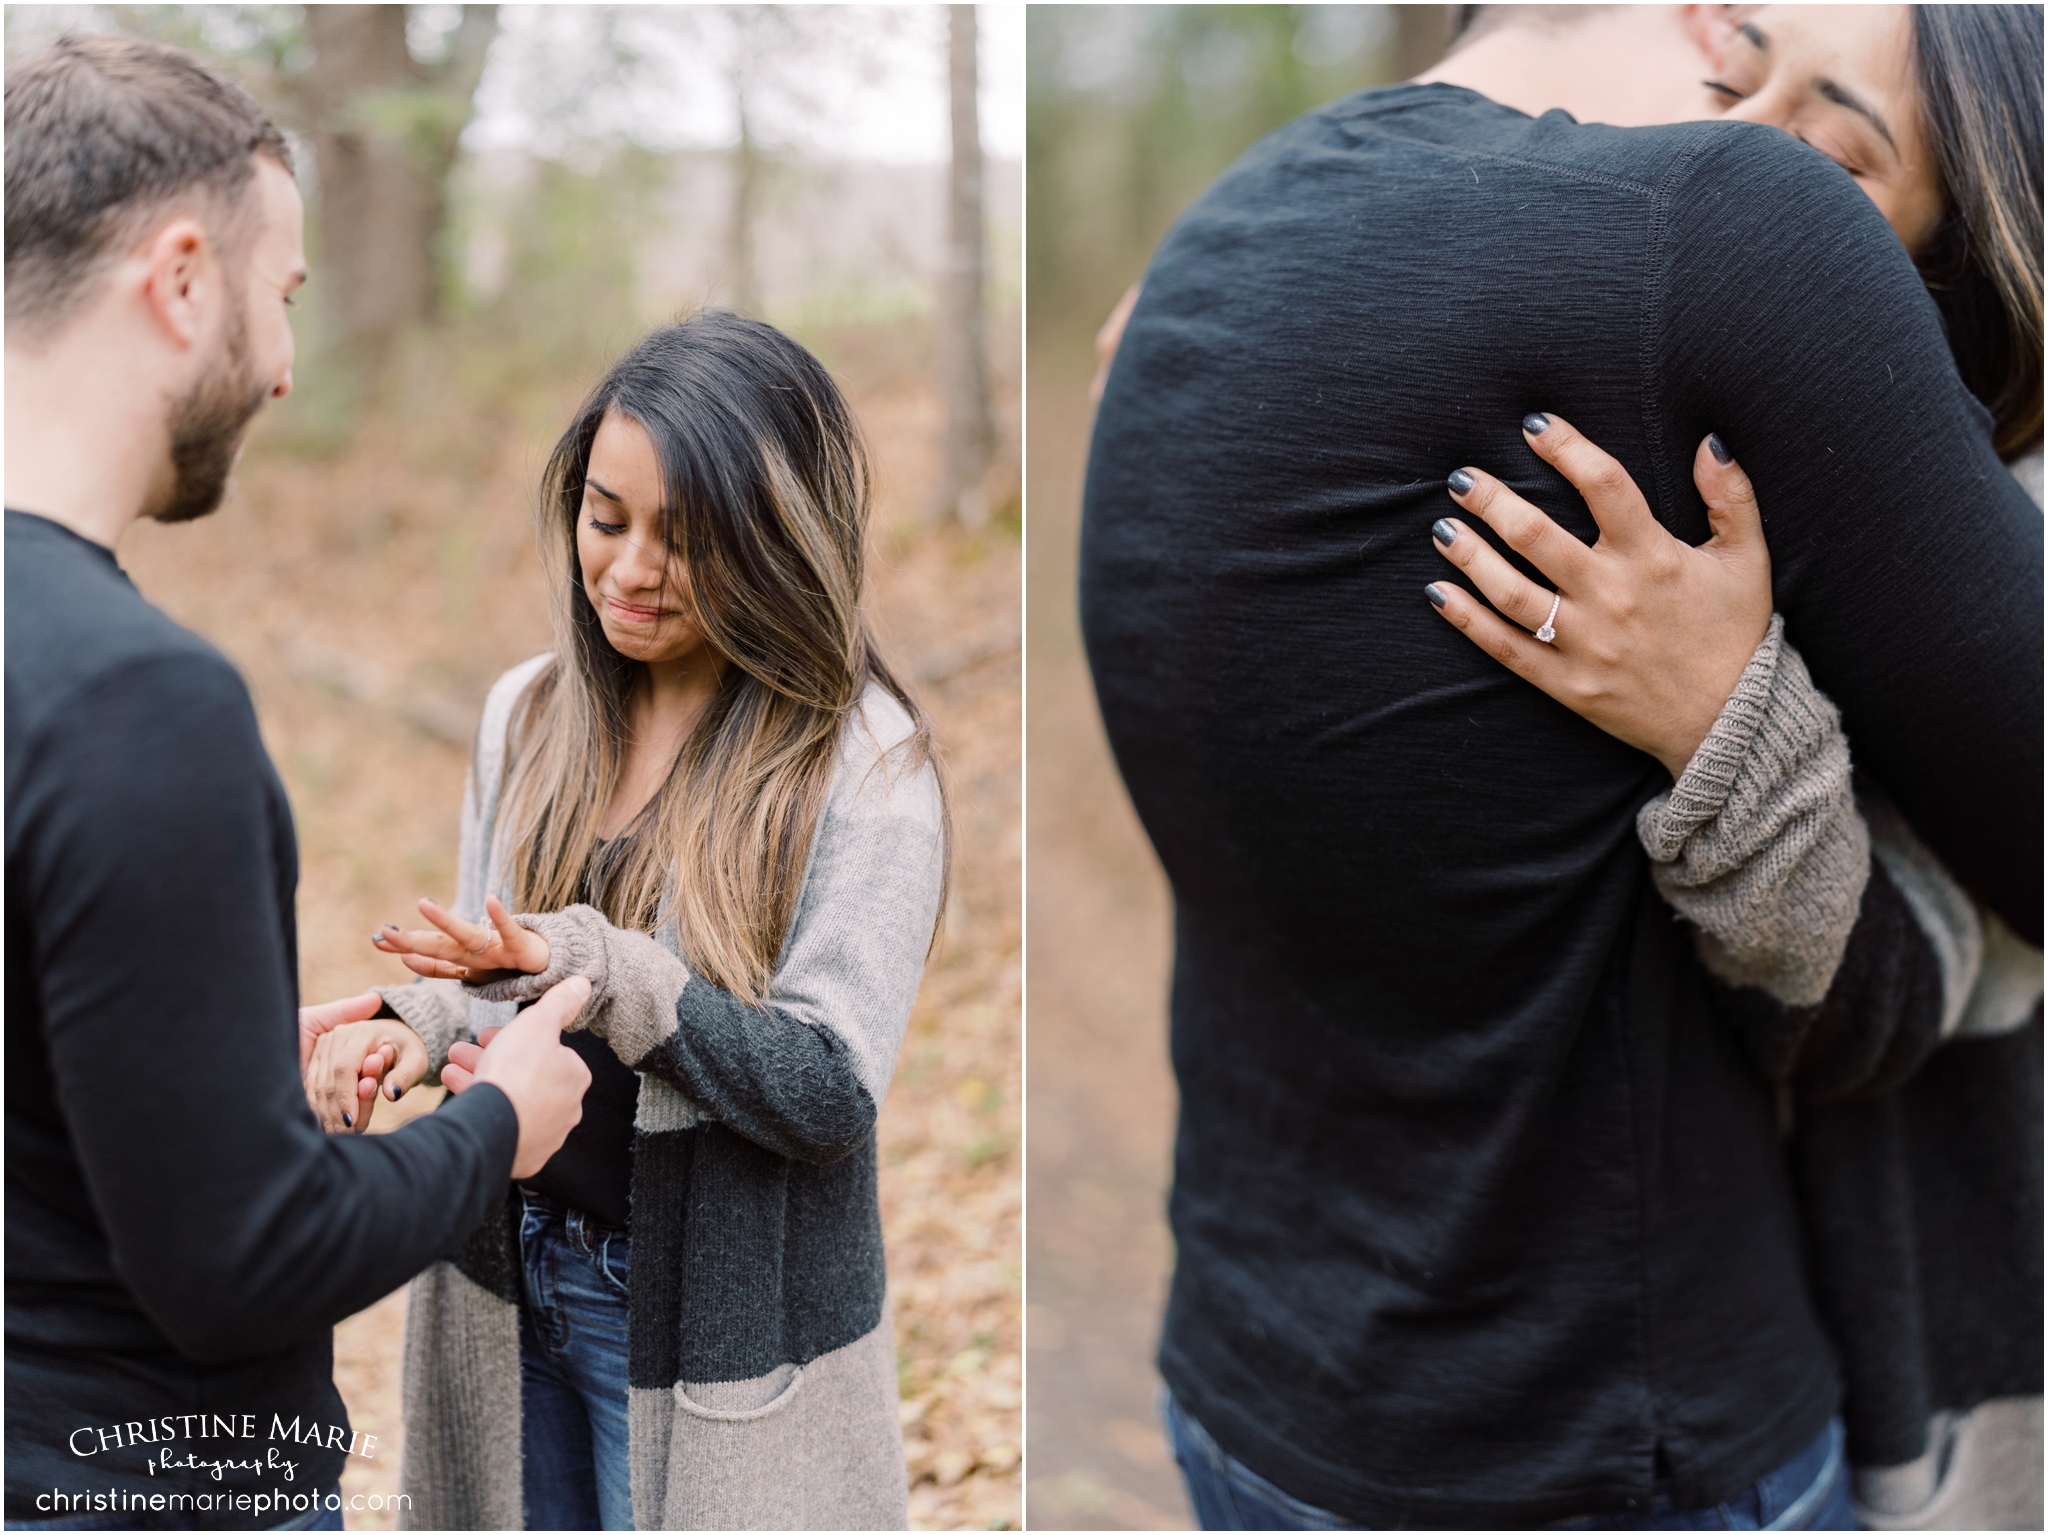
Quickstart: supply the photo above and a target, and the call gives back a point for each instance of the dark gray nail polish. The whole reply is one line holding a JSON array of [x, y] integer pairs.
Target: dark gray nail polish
[[1460, 482], [1444, 532], [348, 1119], [1535, 423], [397, 1091], [1435, 593], [1719, 449]]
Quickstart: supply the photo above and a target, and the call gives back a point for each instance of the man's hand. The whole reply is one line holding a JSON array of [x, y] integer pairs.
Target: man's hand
[[527, 1061], [350, 1061], [1109, 338], [315, 1021]]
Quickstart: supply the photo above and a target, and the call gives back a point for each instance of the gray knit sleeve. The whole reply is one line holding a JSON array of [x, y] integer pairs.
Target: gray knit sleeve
[[1759, 844], [634, 980], [436, 1011]]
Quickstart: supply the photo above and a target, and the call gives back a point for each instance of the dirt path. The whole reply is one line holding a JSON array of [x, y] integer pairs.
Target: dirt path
[[1102, 1099]]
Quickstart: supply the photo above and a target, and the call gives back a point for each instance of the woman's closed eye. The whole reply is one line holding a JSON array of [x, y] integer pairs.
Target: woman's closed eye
[[599, 525]]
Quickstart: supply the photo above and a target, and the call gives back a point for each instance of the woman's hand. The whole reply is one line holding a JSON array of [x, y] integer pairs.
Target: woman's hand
[[466, 951], [348, 1063], [1651, 634]]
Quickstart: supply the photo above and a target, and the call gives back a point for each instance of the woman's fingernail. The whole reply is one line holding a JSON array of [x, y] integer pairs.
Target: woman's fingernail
[[1460, 482], [1719, 449], [348, 1119], [1435, 593], [397, 1091], [1535, 423], [1444, 531]]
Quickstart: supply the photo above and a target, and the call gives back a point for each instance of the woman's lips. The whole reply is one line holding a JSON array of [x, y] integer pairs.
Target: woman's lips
[[626, 613]]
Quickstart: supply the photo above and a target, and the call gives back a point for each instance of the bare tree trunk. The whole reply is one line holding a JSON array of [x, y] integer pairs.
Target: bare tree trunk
[[385, 131], [746, 192], [963, 348]]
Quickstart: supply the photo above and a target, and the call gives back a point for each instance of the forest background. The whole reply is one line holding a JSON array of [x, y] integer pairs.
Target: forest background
[[499, 202], [1130, 112]]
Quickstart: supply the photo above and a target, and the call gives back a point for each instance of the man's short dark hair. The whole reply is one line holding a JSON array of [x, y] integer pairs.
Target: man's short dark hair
[[102, 133]]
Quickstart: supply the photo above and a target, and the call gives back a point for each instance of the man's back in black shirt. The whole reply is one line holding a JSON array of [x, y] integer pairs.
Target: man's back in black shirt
[[1479, 1212]]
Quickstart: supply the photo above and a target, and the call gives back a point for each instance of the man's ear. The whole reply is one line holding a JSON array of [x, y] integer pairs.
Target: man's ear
[[1711, 28], [181, 276]]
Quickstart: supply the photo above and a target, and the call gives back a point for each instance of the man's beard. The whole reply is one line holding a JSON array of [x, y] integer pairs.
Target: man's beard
[[206, 425]]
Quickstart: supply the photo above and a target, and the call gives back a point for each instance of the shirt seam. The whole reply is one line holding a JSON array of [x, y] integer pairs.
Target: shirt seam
[[1654, 274]]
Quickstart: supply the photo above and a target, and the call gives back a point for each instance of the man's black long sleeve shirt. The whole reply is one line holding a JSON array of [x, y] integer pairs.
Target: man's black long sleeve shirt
[[181, 1235]]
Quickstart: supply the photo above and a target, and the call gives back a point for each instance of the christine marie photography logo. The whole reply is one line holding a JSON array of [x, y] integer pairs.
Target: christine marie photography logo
[[235, 1448]]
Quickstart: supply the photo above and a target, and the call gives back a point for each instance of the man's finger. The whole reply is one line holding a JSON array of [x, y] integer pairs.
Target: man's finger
[[1610, 495], [331, 1015], [465, 1054], [557, 1008], [455, 1078]]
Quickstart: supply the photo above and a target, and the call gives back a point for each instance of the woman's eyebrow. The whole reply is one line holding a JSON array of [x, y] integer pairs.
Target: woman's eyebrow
[[1754, 35], [1843, 97], [611, 496]]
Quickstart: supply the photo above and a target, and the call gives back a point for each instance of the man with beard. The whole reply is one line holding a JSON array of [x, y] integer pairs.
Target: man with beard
[[180, 1234]]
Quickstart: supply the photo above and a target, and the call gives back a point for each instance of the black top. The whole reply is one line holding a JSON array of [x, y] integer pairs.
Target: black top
[[180, 1234], [1480, 1213], [593, 1172]]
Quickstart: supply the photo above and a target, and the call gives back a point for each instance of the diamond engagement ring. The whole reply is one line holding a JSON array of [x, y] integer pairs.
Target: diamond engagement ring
[[1546, 634]]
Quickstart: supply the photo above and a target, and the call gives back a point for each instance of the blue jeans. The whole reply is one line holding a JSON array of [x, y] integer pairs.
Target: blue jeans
[[572, 1370], [1808, 1492]]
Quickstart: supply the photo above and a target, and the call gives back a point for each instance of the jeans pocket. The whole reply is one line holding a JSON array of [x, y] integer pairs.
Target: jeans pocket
[[614, 1261]]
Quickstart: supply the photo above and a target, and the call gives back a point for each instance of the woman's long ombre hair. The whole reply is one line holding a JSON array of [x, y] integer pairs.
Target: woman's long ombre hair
[[1978, 71], [766, 505]]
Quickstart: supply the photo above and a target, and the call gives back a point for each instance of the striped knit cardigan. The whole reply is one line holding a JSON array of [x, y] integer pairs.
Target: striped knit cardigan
[[762, 1365]]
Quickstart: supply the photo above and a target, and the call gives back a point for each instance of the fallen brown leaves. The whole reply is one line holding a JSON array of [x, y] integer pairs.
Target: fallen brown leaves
[[370, 597]]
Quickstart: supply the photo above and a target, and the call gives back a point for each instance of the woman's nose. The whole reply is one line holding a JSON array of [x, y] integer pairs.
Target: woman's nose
[[638, 566]]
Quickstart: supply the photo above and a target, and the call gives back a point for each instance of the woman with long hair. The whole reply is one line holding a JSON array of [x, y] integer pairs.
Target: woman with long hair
[[715, 801]]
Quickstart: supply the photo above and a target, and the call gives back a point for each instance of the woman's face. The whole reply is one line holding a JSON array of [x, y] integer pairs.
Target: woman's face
[[642, 597], [1841, 78]]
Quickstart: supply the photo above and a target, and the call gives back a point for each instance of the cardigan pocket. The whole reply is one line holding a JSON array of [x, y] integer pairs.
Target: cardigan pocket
[[716, 1414]]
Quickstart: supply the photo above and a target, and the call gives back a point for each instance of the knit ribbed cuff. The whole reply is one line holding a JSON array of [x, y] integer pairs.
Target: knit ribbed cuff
[[576, 946], [634, 980], [1758, 844]]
